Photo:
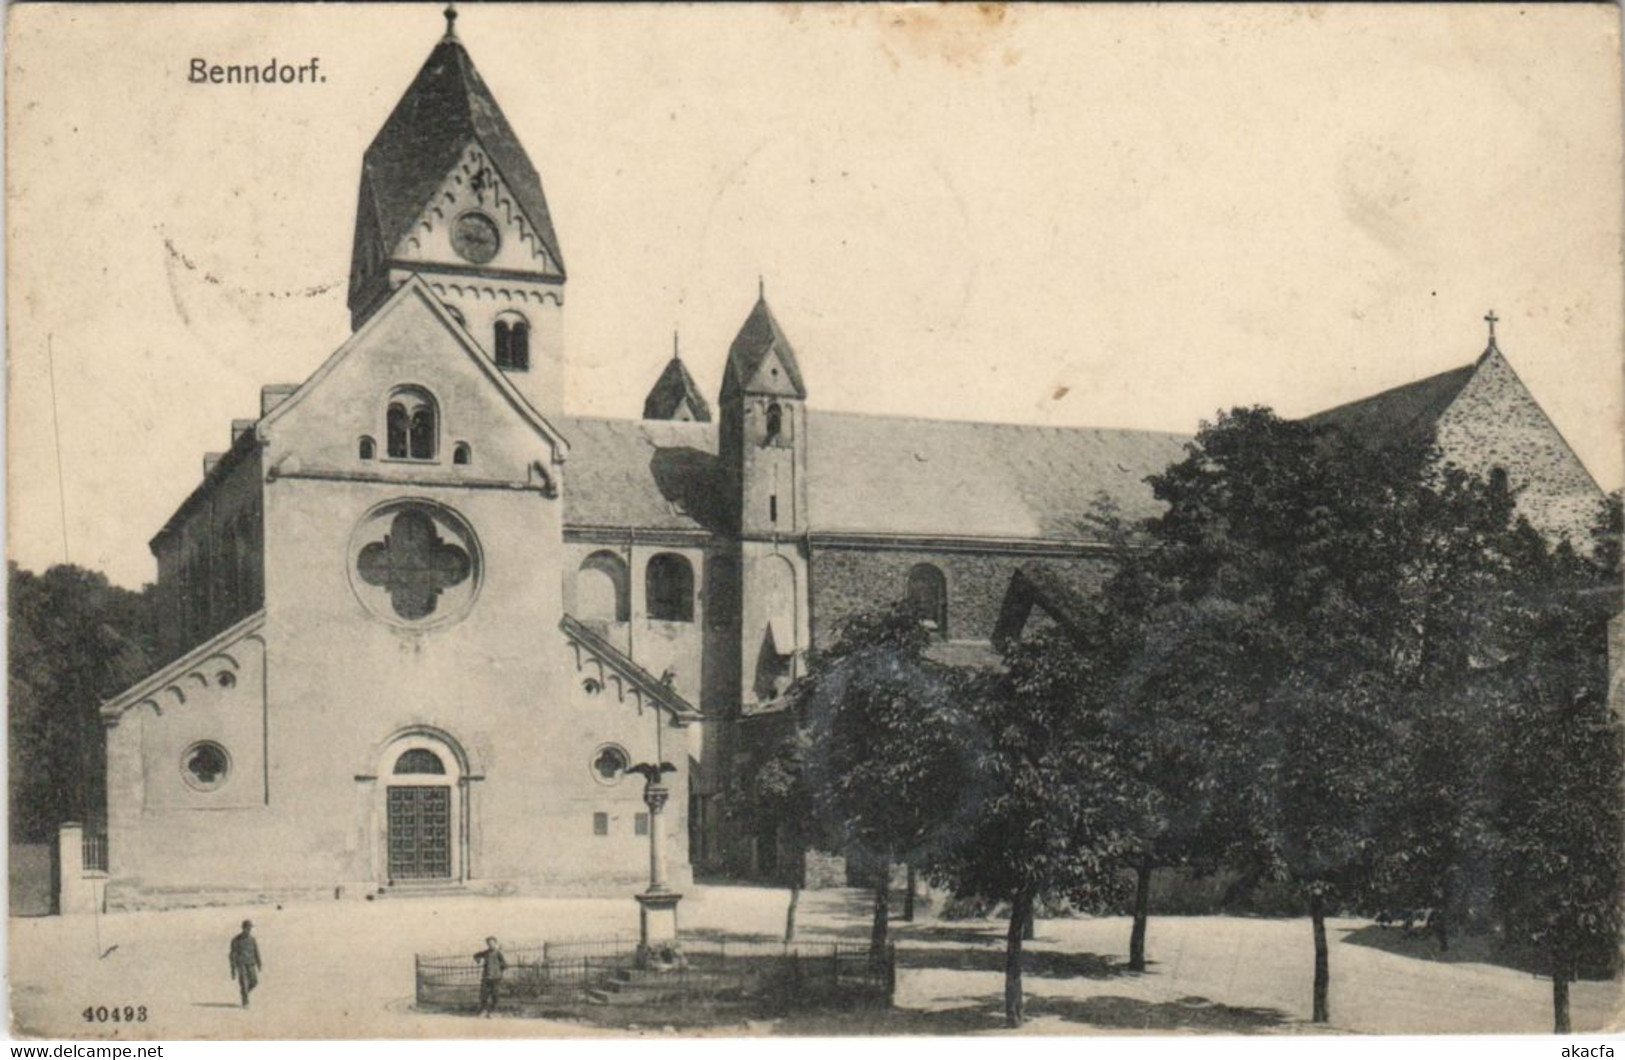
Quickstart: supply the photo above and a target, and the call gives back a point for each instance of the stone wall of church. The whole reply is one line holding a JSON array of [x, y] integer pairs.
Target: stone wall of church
[[366, 661], [606, 587], [479, 305], [186, 772], [849, 581], [1495, 422], [211, 566], [517, 717]]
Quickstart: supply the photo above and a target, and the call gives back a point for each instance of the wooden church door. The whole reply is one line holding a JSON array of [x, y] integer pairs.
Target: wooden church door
[[419, 833], [419, 818]]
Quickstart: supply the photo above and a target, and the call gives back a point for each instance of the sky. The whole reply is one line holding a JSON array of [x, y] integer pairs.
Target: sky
[[1099, 216]]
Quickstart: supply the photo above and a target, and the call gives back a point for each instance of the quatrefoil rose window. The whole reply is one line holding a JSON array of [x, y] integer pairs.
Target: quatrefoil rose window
[[415, 564]]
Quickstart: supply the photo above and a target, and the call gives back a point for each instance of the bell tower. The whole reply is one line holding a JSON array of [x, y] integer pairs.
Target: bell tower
[[447, 192], [763, 449]]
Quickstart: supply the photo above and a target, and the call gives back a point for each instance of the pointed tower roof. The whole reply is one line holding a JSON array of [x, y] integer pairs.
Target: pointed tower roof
[[446, 107], [1403, 412], [672, 390], [1409, 411], [760, 337]]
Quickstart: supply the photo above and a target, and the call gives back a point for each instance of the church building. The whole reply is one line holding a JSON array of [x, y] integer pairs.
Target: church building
[[422, 621]]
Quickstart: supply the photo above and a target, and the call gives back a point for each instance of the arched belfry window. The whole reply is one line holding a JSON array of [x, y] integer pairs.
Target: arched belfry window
[[775, 421], [601, 589], [367, 448], [511, 343], [928, 597], [461, 454], [411, 427], [669, 588]]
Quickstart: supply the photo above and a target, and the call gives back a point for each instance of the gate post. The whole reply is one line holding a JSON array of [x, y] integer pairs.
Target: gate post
[[74, 893]]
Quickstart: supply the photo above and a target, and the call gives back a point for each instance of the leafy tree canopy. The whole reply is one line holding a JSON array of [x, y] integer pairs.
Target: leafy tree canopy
[[75, 640]]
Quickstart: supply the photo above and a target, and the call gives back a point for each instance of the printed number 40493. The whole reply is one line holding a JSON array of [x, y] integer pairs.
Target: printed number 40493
[[115, 1014]]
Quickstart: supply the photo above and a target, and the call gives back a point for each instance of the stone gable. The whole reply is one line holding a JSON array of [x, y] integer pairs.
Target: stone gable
[[1494, 422]]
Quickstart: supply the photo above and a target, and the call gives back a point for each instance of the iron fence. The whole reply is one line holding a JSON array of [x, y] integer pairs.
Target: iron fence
[[93, 849], [604, 970], [537, 971]]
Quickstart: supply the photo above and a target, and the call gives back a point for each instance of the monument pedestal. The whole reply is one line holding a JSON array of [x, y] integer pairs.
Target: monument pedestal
[[657, 929]]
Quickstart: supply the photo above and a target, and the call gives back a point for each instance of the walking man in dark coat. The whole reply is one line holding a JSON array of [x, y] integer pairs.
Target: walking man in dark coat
[[492, 964], [245, 961]]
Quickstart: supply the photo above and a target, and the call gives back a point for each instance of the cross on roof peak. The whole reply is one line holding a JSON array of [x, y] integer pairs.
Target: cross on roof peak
[[1491, 319]]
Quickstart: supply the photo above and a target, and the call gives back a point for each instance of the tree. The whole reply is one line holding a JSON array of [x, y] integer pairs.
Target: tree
[[1051, 810], [1276, 550], [777, 789], [1562, 769], [75, 639], [887, 768], [1157, 740], [1455, 554], [1151, 732]]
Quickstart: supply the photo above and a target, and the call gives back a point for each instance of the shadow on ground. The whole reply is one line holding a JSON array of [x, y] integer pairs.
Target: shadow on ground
[[965, 948], [847, 914], [1185, 1014], [1044, 964], [1464, 949], [1188, 1015], [950, 934]]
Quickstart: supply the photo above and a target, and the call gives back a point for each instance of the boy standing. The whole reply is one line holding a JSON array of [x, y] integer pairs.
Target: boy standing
[[492, 965]]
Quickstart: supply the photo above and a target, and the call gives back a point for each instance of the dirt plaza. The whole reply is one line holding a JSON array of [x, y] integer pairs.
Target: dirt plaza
[[344, 969]]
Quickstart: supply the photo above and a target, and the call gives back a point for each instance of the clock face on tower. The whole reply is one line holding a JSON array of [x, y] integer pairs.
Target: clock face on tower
[[474, 236]]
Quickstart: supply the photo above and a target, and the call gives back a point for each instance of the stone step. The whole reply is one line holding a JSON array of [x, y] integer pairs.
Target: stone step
[[424, 889]]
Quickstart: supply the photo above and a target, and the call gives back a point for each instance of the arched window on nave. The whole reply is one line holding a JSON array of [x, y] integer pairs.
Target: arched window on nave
[[669, 588], [601, 589], [928, 597]]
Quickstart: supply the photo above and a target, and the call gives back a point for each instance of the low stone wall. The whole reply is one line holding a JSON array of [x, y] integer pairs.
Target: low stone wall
[[32, 880], [824, 871]]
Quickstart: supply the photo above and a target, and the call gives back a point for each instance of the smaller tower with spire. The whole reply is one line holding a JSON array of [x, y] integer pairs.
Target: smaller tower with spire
[[674, 396], [762, 447], [764, 419]]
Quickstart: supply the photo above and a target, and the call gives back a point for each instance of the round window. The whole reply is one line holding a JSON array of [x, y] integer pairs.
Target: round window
[[609, 765], [415, 563], [205, 766]]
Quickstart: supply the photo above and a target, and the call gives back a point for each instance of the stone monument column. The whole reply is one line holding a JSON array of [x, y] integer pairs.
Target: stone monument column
[[657, 906]]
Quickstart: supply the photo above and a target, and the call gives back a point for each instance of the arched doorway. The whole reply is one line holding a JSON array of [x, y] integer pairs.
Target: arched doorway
[[424, 811]]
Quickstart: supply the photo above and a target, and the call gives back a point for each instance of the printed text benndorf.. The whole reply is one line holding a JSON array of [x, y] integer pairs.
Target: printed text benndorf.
[[273, 72]]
